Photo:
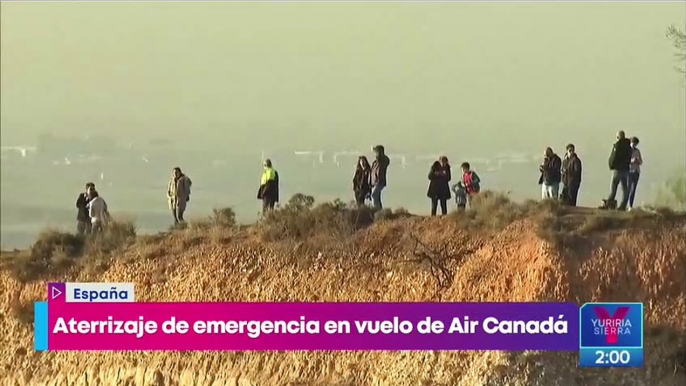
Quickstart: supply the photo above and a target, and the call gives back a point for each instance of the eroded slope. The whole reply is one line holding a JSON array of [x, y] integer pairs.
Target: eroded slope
[[388, 262]]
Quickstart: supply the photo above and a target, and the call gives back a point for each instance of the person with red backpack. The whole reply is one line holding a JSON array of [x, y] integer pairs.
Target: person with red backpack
[[467, 187]]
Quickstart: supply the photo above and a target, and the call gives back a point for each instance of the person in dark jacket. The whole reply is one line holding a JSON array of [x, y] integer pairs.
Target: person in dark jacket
[[571, 176], [362, 184], [378, 177], [83, 220], [550, 174], [619, 162], [439, 187], [269, 187]]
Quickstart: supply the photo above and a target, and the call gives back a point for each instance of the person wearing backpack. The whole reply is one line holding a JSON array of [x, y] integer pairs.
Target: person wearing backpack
[[268, 191], [467, 187], [620, 165]]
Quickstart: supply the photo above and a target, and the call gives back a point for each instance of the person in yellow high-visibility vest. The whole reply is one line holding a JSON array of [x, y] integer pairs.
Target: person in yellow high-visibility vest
[[269, 187]]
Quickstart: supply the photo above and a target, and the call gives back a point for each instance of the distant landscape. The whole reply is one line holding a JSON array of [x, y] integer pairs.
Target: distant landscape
[[40, 183]]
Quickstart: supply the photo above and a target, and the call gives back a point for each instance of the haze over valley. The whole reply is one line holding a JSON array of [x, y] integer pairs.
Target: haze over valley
[[119, 93]]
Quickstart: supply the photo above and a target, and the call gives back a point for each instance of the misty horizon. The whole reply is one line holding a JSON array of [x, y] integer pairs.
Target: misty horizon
[[466, 80]]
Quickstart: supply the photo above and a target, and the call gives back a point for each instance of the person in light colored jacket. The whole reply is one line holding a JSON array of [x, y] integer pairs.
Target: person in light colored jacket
[[97, 211], [178, 194], [634, 170]]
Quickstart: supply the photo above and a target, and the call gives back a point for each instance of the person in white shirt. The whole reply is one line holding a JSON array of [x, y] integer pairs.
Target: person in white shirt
[[97, 210], [634, 170]]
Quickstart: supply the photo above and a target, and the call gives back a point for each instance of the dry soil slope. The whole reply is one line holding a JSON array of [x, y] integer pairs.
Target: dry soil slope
[[378, 264]]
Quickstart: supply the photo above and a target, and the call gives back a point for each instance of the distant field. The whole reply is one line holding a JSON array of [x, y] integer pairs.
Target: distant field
[[37, 194]]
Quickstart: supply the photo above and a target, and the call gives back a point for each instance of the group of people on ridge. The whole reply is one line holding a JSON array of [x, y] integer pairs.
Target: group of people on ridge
[[625, 163], [555, 171], [369, 182], [439, 190], [92, 213]]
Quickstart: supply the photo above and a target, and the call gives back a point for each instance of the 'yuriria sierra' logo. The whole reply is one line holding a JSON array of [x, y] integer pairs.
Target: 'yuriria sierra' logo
[[611, 326]]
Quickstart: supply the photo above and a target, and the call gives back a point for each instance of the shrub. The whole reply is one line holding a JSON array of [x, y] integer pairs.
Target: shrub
[[224, 217], [55, 252], [117, 234], [52, 250], [23, 312], [493, 211], [390, 214], [199, 225], [300, 218]]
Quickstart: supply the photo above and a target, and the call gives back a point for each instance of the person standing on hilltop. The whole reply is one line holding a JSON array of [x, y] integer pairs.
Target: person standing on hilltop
[[439, 188], [178, 194], [571, 176], [550, 174], [619, 162], [468, 186], [97, 211], [83, 221], [362, 186], [378, 178], [269, 187], [634, 170]]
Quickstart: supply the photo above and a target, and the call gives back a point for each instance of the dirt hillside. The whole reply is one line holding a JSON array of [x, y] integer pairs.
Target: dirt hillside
[[389, 261]]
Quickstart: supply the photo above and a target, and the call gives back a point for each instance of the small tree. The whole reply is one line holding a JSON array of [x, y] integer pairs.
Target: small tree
[[679, 41]]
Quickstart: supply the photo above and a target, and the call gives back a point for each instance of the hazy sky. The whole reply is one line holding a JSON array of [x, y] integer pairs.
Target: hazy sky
[[427, 76]]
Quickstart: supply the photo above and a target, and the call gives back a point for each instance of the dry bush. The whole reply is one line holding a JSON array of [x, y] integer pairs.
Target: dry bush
[[198, 225], [38, 260], [23, 312], [55, 252], [224, 217], [493, 211], [390, 214], [300, 218], [117, 234], [571, 228], [219, 226]]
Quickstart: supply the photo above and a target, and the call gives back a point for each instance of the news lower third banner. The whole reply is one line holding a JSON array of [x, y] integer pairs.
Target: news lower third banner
[[306, 326], [106, 317]]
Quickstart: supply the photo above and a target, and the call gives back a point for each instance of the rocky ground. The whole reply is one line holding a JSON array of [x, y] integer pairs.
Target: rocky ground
[[389, 261]]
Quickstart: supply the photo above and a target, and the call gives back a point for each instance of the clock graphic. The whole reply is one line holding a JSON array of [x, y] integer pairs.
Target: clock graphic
[[611, 335]]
